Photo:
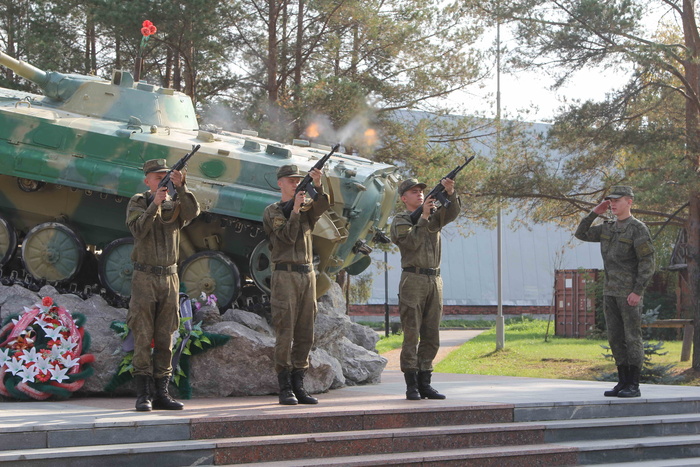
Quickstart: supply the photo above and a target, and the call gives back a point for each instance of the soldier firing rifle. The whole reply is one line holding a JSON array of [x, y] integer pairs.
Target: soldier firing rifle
[[306, 185], [438, 192]]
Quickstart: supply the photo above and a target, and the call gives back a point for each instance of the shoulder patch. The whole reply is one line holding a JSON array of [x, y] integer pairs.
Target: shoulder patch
[[278, 223], [402, 230], [645, 249]]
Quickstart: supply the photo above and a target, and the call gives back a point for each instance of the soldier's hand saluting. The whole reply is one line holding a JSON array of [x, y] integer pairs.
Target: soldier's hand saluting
[[602, 207]]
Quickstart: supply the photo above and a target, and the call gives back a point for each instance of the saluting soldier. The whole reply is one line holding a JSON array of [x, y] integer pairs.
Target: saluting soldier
[[420, 290], [155, 221], [293, 282], [628, 259]]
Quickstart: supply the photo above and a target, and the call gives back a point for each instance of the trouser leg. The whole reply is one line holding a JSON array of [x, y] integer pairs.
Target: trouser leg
[[429, 343]]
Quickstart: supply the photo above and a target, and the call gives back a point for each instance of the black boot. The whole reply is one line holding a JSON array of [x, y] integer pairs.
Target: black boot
[[298, 388], [286, 394], [425, 389], [631, 389], [144, 392], [411, 378], [163, 400], [622, 381]]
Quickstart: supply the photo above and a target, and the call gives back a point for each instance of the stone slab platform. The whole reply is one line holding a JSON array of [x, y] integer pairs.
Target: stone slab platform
[[531, 399]]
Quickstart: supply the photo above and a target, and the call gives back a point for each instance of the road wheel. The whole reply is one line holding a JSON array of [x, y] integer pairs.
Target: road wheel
[[8, 241], [260, 266], [211, 272], [52, 251], [115, 267]]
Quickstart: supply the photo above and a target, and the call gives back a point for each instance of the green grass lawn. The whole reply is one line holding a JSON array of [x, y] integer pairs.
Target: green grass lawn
[[527, 354]]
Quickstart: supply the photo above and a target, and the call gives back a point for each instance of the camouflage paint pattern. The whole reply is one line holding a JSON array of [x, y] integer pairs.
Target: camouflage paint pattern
[[86, 140]]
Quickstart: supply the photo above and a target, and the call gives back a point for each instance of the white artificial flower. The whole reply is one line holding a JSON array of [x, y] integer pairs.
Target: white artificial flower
[[42, 365], [67, 346], [29, 356], [14, 366], [27, 374], [56, 352], [69, 362], [53, 333], [58, 374], [4, 356]]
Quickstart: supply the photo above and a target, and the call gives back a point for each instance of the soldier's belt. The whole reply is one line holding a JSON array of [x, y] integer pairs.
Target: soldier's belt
[[426, 271], [303, 268], [156, 270]]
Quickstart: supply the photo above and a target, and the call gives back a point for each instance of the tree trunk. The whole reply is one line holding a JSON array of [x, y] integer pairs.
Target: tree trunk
[[272, 52], [177, 71], [694, 271], [169, 65], [117, 54], [298, 54], [692, 113]]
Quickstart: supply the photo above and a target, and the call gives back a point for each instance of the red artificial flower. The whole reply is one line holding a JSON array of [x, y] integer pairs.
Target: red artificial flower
[[43, 377], [152, 29], [145, 31], [47, 301], [147, 24]]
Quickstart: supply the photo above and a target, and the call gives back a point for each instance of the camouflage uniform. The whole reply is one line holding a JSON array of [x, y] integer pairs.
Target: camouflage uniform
[[293, 293], [153, 308], [628, 259], [420, 290]]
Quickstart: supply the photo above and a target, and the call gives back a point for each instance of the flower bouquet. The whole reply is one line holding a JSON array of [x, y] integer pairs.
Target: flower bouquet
[[43, 353]]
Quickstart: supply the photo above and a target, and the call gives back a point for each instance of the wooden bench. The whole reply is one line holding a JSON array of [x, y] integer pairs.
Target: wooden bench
[[688, 331]]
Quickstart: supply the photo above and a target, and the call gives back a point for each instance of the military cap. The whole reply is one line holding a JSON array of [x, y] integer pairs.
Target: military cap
[[155, 165], [289, 171], [408, 184], [620, 191]]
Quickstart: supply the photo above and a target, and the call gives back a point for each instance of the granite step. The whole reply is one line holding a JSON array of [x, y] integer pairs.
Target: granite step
[[348, 420], [592, 452], [686, 462], [610, 407], [204, 453], [621, 427]]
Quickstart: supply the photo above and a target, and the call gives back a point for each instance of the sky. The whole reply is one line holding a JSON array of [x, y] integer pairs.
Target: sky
[[528, 96], [532, 91], [521, 91]]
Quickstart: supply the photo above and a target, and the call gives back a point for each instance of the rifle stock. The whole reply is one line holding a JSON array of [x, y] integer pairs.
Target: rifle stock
[[439, 192], [306, 185]]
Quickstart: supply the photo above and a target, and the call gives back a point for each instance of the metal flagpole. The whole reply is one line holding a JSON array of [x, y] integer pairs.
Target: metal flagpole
[[500, 331]]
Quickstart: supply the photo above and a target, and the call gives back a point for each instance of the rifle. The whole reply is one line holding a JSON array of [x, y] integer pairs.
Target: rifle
[[439, 192], [179, 165], [305, 184]]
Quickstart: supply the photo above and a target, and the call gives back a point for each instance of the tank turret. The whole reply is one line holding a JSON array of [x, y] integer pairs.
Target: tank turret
[[72, 158], [121, 99]]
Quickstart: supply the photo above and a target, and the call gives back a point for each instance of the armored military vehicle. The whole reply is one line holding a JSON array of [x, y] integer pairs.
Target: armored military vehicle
[[71, 158]]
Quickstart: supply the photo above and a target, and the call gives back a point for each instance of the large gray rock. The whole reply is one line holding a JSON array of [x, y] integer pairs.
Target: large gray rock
[[14, 298], [364, 336], [243, 366], [249, 320], [359, 365]]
